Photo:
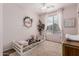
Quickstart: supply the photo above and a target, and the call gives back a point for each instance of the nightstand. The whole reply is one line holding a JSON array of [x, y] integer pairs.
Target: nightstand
[[70, 48]]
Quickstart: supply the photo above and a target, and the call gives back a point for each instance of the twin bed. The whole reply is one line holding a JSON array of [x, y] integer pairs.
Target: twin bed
[[21, 49]]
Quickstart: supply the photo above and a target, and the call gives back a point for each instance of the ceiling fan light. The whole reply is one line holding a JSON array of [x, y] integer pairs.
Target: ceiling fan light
[[43, 8]]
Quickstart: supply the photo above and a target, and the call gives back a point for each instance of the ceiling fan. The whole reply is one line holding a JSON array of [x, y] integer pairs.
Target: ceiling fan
[[47, 5]]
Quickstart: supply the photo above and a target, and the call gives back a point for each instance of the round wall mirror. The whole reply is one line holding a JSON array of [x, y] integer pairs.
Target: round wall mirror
[[27, 22]]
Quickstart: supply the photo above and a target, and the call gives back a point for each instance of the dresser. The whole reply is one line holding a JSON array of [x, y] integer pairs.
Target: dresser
[[70, 48]]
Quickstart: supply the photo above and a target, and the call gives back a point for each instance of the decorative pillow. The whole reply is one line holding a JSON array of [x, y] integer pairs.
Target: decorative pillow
[[22, 42]]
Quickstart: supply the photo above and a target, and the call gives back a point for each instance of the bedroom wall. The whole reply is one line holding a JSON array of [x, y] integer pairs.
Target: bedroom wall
[[70, 12], [13, 24], [1, 30], [78, 16]]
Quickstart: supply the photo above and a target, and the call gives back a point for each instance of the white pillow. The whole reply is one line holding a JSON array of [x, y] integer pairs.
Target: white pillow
[[67, 35], [23, 42], [72, 37]]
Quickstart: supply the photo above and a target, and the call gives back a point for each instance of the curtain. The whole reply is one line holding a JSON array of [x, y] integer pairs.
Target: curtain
[[60, 17]]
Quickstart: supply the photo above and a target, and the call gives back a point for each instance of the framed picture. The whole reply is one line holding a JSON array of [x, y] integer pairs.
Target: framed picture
[[71, 22], [27, 21]]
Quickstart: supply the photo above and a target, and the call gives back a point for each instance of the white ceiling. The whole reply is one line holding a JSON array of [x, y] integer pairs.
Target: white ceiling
[[37, 6]]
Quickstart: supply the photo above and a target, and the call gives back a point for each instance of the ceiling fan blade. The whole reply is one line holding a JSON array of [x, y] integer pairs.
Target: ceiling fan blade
[[51, 6]]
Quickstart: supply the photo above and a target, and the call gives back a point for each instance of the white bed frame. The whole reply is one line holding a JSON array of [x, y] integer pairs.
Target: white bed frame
[[21, 49]]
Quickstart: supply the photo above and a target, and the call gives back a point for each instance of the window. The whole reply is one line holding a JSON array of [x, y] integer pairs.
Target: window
[[52, 24]]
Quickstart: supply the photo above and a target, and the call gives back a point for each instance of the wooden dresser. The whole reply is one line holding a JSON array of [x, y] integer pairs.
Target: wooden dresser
[[70, 48]]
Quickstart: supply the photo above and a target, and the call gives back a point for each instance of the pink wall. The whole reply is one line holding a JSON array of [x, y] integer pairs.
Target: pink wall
[[13, 24], [78, 17], [1, 29], [70, 12]]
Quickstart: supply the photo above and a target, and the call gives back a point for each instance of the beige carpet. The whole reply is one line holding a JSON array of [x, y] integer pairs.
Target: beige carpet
[[46, 48]]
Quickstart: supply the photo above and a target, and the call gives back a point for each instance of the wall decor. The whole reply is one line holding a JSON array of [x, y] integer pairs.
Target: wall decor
[[41, 27], [71, 22], [27, 21]]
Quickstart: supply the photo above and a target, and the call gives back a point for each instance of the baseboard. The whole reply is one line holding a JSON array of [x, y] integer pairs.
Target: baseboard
[[8, 52]]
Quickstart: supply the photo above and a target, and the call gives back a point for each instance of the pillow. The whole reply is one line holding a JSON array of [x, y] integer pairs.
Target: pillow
[[72, 37], [67, 36], [22, 42]]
